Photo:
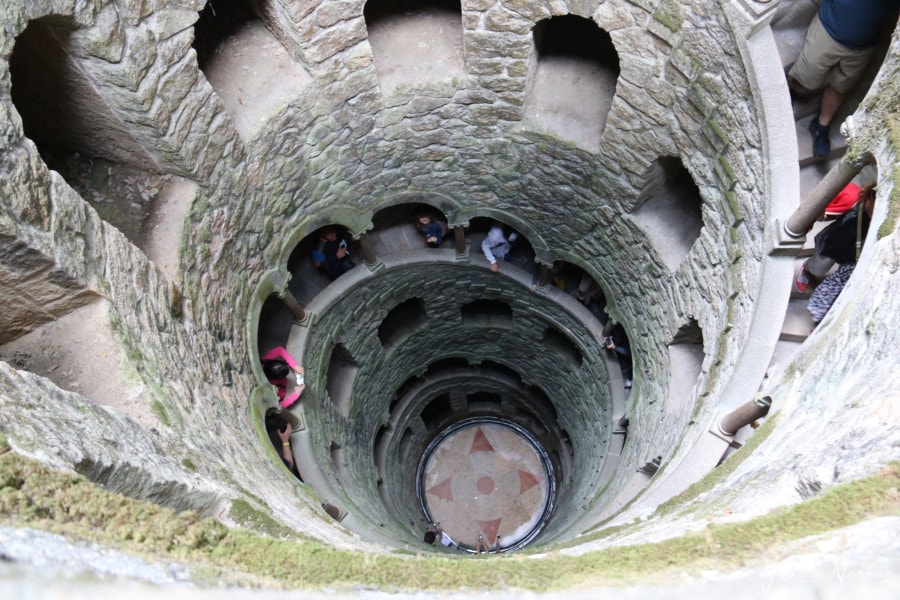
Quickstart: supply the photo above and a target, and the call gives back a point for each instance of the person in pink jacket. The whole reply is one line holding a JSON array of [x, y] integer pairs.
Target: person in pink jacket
[[277, 364]]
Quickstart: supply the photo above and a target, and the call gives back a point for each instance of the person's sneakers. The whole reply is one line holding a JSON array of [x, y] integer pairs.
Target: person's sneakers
[[801, 281], [821, 137]]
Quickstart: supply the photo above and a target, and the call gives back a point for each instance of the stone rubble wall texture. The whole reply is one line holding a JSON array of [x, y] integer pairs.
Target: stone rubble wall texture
[[341, 149], [187, 368], [837, 402]]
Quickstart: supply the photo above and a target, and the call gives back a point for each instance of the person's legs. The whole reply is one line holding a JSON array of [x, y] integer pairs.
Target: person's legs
[[627, 368], [831, 102], [818, 266], [847, 67], [809, 71]]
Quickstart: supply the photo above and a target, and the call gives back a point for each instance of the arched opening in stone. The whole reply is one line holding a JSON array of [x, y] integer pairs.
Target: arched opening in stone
[[72, 117], [401, 322], [689, 333], [397, 228], [446, 364], [406, 441], [521, 253], [579, 284], [313, 258], [669, 210], [487, 313], [489, 366], [437, 412], [414, 43], [64, 112], [574, 80], [686, 360], [529, 421], [275, 322], [337, 456], [245, 64], [342, 369], [483, 402], [65, 335], [543, 404], [556, 341]]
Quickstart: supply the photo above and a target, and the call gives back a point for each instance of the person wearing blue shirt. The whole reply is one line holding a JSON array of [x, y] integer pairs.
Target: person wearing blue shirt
[[434, 230], [839, 43]]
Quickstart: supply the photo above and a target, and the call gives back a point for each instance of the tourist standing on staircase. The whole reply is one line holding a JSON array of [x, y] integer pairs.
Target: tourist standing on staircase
[[432, 228], [842, 244], [277, 364], [839, 43], [332, 253], [496, 246]]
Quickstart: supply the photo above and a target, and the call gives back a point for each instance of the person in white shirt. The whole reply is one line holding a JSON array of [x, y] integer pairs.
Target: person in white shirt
[[496, 246]]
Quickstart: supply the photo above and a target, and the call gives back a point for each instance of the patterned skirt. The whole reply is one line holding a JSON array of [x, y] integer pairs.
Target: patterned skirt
[[827, 292]]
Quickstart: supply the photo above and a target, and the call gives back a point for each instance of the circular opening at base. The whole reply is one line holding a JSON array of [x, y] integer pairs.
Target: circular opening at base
[[486, 477]]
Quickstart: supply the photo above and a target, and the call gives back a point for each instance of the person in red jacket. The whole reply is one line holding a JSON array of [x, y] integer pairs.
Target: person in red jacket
[[277, 364]]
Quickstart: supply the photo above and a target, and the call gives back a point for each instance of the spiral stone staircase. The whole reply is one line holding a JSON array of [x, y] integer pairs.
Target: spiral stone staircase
[[645, 152]]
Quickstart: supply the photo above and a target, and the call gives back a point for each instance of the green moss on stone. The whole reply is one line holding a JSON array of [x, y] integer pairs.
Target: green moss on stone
[[159, 410], [726, 166], [731, 197], [719, 474], [718, 131], [669, 15], [248, 516], [189, 465], [200, 207], [32, 495], [889, 225]]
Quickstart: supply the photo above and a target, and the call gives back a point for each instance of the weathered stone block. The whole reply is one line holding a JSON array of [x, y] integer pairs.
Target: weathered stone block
[[104, 40]]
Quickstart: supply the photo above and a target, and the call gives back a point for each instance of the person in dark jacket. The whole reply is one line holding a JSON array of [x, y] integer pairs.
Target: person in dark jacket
[[836, 244], [842, 245], [332, 254]]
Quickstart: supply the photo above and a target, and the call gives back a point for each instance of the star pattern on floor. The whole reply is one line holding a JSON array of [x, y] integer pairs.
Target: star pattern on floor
[[484, 480]]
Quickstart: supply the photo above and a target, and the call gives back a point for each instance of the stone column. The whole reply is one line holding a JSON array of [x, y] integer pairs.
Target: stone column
[[745, 414], [369, 256], [543, 276], [284, 294], [459, 239], [814, 205], [293, 305]]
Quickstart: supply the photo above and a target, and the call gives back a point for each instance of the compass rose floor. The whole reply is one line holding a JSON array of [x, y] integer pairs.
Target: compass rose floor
[[487, 478]]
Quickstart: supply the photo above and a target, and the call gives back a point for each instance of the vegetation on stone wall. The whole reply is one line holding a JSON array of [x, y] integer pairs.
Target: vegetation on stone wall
[[34, 496]]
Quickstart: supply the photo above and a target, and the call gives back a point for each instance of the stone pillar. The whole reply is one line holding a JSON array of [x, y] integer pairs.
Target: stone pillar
[[285, 295], [293, 305], [814, 205], [543, 276], [459, 239], [369, 256], [745, 414]]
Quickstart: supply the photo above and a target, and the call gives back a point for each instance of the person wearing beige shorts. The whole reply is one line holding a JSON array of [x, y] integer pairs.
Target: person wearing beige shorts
[[839, 43], [824, 61]]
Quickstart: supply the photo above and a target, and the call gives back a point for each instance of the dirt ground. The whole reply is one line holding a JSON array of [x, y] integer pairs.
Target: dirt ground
[[79, 353]]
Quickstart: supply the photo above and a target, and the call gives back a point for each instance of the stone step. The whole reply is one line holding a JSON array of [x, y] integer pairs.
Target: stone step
[[397, 238], [804, 143], [789, 41], [797, 321]]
